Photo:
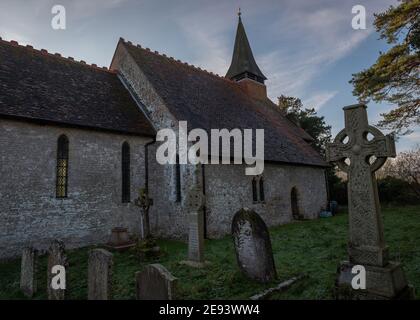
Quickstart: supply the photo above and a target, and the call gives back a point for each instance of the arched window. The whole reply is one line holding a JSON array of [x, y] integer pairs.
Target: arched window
[[125, 170], [178, 179], [262, 196], [62, 166], [254, 190]]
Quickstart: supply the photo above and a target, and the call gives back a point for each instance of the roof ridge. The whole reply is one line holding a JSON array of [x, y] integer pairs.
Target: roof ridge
[[56, 55], [172, 59]]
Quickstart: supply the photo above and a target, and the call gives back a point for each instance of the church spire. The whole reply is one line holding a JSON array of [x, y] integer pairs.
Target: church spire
[[243, 63]]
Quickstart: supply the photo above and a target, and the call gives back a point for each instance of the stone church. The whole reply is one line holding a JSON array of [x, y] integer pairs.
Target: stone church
[[77, 142]]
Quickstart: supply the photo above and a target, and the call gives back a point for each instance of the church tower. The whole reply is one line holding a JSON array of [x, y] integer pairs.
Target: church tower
[[243, 68]]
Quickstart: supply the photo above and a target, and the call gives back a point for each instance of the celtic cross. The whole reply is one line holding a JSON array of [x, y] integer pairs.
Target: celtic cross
[[359, 156], [144, 202]]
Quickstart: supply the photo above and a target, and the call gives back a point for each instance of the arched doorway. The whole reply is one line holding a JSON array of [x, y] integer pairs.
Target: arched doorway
[[295, 204]]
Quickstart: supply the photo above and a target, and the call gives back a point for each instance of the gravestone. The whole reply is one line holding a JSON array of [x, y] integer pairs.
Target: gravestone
[[100, 275], [194, 203], [56, 256], [144, 203], [28, 283], [155, 282], [384, 279], [253, 246]]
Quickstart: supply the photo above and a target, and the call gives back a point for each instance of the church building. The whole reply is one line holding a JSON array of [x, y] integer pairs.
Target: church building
[[78, 142]]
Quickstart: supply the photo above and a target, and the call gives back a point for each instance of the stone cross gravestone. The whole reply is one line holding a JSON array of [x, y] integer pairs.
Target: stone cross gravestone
[[253, 246], [194, 203], [100, 275], [155, 282], [56, 256], [28, 283], [360, 150], [144, 203]]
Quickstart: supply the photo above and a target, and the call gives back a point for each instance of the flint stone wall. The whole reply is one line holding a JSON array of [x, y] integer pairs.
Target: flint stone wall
[[30, 213]]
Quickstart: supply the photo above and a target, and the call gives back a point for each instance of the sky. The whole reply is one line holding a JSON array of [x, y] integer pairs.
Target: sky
[[306, 48]]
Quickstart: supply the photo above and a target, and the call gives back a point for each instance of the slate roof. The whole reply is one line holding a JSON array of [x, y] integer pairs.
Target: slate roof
[[42, 87], [208, 101]]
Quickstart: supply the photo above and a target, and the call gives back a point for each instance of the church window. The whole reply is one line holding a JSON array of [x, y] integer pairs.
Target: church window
[[178, 179], [262, 196], [258, 189], [125, 170], [62, 166], [254, 190]]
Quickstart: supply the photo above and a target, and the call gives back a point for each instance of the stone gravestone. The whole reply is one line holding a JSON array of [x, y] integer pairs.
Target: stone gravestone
[[28, 283], [253, 246], [155, 282], [194, 203], [384, 279], [56, 256], [144, 203], [100, 275]]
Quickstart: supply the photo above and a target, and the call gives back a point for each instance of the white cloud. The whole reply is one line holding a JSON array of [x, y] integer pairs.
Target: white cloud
[[318, 100], [320, 38]]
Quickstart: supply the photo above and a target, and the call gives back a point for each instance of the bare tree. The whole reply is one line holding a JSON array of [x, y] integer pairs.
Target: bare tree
[[406, 167]]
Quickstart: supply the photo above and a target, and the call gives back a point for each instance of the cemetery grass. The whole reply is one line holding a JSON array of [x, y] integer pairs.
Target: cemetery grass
[[313, 248]]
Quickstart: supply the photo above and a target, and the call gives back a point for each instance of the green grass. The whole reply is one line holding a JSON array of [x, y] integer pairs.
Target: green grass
[[311, 247]]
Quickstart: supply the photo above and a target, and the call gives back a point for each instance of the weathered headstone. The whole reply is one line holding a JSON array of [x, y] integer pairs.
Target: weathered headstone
[[253, 246], [194, 203], [155, 282], [56, 257], [384, 279], [28, 283], [100, 275]]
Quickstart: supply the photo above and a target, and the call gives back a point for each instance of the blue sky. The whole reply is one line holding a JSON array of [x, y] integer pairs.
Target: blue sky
[[306, 49]]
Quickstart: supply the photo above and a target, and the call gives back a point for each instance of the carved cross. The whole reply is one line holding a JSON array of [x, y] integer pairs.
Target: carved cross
[[359, 156], [144, 202]]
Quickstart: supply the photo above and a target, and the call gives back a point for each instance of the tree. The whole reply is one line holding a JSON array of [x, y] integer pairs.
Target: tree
[[395, 76], [308, 120], [407, 167]]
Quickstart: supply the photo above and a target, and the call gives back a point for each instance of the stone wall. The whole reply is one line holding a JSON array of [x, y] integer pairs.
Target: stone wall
[[30, 213], [228, 189]]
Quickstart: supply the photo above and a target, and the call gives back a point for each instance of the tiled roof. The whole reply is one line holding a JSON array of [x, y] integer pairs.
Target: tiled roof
[[39, 86], [208, 101]]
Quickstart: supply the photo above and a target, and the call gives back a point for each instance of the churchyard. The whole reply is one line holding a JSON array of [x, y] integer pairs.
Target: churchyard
[[312, 248]]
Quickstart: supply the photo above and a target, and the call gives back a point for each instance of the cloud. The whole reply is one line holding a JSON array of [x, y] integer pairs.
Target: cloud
[[318, 100], [302, 41], [317, 40]]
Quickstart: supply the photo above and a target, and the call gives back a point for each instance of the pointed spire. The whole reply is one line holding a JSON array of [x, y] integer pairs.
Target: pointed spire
[[243, 63]]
